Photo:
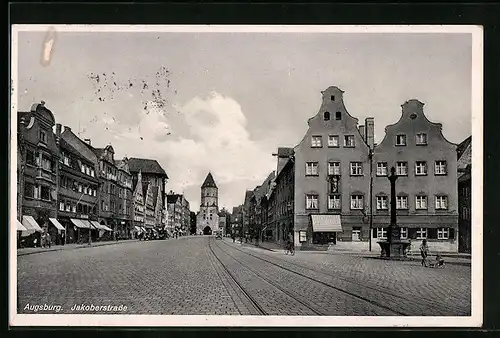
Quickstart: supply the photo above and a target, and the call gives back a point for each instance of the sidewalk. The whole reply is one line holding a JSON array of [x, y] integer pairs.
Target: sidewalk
[[449, 258], [73, 246]]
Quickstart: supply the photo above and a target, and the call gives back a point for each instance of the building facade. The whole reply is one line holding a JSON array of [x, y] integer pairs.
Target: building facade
[[464, 154], [125, 198], [175, 213], [138, 209], [332, 175], [208, 217], [237, 221], [426, 188]]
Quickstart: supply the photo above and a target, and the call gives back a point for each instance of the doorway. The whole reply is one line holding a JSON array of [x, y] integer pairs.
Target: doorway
[[207, 230]]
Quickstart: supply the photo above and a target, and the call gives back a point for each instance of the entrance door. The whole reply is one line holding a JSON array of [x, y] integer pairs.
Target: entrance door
[[207, 230]]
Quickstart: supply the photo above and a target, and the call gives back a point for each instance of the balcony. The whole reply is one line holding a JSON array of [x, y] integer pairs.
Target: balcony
[[38, 203]]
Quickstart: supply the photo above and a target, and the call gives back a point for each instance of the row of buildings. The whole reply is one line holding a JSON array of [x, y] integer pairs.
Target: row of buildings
[[332, 189], [75, 191]]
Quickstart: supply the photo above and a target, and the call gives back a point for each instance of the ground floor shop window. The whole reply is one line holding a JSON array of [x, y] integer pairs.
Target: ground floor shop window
[[324, 237], [443, 233], [302, 236], [421, 233], [403, 233], [380, 233], [356, 234]]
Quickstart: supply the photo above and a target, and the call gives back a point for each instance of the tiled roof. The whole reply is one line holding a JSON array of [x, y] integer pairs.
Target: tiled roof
[[209, 182], [65, 146], [463, 145], [285, 152], [147, 166], [98, 151]]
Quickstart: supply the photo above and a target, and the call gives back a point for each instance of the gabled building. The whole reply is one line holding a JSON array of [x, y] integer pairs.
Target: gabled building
[[246, 213], [175, 211], [149, 203], [464, 167], [125, 204], [138, 209]]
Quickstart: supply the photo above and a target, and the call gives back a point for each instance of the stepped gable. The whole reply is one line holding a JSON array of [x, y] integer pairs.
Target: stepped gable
[[209, 182]]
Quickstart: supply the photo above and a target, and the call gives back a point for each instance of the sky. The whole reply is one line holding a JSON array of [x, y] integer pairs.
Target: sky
[[224, 102]]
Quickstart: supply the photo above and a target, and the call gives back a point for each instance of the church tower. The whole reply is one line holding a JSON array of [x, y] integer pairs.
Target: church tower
[[207, 220]]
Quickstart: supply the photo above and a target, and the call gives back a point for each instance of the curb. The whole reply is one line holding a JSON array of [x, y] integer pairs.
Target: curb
[[83, 246], [412, 259]]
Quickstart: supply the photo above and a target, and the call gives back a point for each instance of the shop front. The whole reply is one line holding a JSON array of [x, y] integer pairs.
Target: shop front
[[321, 232]]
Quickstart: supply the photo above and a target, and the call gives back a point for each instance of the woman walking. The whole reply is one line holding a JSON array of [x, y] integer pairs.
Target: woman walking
[[424, 252]]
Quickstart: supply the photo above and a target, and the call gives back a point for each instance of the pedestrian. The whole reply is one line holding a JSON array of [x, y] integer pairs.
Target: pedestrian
[[63, 237], [424, 252]]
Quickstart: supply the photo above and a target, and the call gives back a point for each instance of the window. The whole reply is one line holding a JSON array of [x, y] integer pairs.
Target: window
[[382, 233], [381, 168], [443, 233], [45, 193], [30, 157], [73, 208], [43, 136], [311, 201], [79, 188], [421, 139], [400, 140], [61, 205], [82, 168], [441, 202], [326, 116], [316, 142], [333, 202], [403, 233], [349, 141], [440, 168], [421, 233], [68, 207], [311, 168], [356, 168], [79, 208], [87, 170], [356, 234], [402, 168], [333, 140], [302, 236], [382, 202], [333, 168], [420, 168], [334, 184], [421, 202], [401, 202], [332, 97], [46, 163], [357, 202], [29, 190], [92, 172], [338, 115]]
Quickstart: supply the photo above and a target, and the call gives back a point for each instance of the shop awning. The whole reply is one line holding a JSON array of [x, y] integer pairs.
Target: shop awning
[[56, 224], [80, 223], [143, 229], [326, 223], [30, 223], [105, 227], [20, 227], [137, 228]]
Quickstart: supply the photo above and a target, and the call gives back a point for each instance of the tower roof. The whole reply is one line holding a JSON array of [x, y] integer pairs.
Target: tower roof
[[209, 182]]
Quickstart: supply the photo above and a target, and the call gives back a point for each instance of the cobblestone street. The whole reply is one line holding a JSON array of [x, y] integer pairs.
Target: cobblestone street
[[204, 276]]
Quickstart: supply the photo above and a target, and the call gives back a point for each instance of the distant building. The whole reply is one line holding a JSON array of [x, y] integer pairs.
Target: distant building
[[246, 208], [192, 223], [125, 193], [237, 220], [258, 208], [464, 167], [208, 217], [138, 208], [179, 214]]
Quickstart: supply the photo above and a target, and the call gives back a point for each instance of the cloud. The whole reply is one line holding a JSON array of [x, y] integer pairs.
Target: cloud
[[216, 139]]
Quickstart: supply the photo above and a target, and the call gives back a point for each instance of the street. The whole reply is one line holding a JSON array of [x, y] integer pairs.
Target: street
[[204, 276]]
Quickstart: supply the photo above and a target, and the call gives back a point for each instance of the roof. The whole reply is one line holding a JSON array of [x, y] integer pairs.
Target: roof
[[262, 190], [285, 152], [463, 146], [146, 166], [209, 182], [98, 151], [65, 146]]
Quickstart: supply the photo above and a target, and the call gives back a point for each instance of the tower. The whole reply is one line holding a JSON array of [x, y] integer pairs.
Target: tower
[[207, 220]]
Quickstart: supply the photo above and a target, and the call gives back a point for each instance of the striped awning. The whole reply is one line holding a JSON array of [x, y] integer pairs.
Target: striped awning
[[81, 223], [30, 224], [20, 227], [57, 224], [326, 223]]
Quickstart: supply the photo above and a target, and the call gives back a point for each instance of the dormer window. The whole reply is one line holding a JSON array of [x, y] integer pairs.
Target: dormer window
[[338, 116], [326, 116]]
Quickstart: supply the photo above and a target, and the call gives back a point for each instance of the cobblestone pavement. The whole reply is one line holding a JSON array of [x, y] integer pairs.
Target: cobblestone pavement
[[204, 276]]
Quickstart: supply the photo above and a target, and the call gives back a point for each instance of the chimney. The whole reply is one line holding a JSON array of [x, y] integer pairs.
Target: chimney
[[370, 132], [58, 130], [66, 128], [362, 132], [88, 141]]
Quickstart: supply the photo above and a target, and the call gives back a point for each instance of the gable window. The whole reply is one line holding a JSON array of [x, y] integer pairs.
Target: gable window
[[316, 142], [421, 202], [443, 233], [401, 140], [421, 233], [420, 168], [43, 136], [326, 116], [403, 233], [333, 140], [381, 168], [311, 201], [421, 139], [382, 202], [333, 202], [311, 168], [357, 202], [356, 168], [30, 157], [333, 168], [401, 202], [332, 97], [349, 141], [440, 168], [338, 115], [441, 202], [402, 168]]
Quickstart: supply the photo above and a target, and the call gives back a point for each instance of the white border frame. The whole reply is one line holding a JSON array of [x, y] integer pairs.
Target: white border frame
[[476, 318]]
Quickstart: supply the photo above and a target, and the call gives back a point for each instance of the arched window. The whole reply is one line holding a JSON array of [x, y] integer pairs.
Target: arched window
[[326, 116], [338, 116]]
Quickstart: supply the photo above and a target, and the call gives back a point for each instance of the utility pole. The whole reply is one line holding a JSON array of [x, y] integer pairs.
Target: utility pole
[[371, 200]]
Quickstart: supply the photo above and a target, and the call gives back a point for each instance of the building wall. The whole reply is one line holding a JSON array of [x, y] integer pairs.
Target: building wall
[[283, 203], [348, 184]]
